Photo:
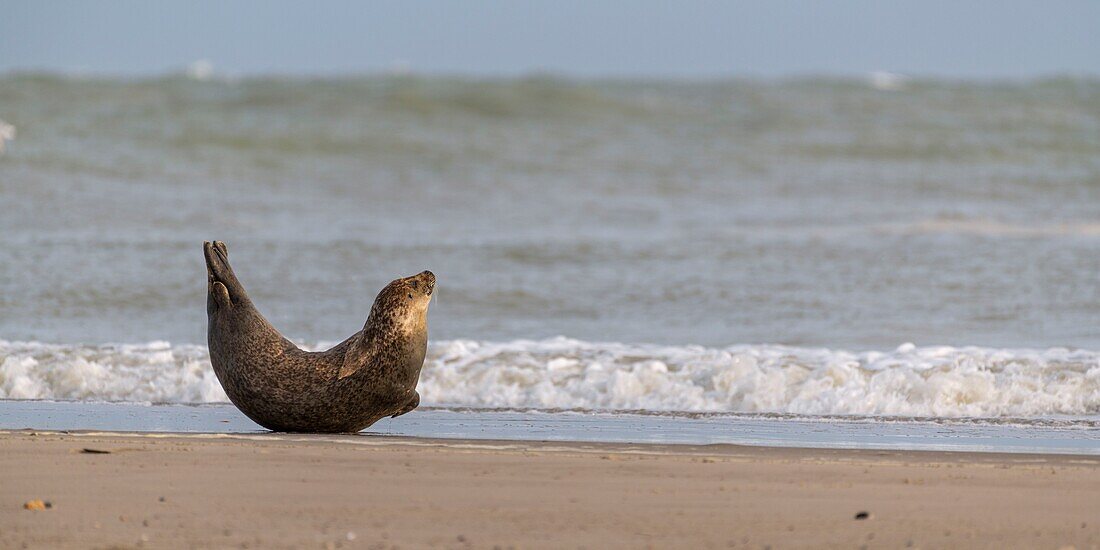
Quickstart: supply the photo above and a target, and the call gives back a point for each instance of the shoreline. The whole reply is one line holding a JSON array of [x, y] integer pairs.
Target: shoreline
[[383, 440], [265, 490], [1062, 437]]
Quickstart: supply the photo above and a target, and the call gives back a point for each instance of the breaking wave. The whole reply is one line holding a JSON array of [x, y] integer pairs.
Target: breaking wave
[[562, 373], [154, 372]]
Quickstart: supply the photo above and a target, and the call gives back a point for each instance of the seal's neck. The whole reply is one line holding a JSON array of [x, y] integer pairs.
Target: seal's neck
[[395, 343], [404, 333]]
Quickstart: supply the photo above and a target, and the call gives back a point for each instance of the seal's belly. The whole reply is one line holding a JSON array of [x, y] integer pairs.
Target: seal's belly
[[296, 395]]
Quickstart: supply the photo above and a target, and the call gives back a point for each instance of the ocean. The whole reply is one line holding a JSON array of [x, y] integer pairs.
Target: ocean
[[818, 247]]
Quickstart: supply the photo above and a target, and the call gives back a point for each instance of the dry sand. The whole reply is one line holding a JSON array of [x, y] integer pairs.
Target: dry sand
[[318, 492]]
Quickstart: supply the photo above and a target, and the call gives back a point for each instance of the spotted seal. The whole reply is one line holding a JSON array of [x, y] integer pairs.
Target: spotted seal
[[369, 376]]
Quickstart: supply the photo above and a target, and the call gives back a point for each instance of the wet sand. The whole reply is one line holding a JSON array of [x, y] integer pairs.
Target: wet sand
[[317, 492]]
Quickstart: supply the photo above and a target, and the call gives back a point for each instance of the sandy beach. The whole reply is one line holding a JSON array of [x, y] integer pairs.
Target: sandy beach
[[374, 492]]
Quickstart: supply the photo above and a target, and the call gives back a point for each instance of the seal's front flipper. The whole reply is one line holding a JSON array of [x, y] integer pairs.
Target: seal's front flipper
[[354, 357], [220, 274], [410, 405]]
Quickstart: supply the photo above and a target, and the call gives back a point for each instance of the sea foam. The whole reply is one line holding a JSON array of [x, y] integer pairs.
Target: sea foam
[[561, 373]]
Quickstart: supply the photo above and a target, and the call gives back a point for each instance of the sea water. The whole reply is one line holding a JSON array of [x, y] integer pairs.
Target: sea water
[[805, 246]]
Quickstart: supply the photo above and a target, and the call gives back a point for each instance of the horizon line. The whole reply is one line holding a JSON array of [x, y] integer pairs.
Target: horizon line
[[210, 74]]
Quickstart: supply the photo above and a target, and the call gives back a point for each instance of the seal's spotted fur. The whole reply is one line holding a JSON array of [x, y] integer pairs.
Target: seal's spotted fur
[[370, 375]]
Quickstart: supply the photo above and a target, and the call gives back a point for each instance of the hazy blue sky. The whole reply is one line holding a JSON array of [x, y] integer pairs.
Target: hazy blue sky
[[694, 39]]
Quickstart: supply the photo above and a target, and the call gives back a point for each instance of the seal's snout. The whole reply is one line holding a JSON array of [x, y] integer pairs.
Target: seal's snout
[[429, 281], [424, 283]]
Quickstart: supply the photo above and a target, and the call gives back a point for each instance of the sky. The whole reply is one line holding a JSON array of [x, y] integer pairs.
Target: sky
[[690, 39]]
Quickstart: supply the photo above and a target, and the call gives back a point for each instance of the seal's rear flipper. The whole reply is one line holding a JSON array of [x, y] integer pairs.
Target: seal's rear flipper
[[223, 283], [220, 295]]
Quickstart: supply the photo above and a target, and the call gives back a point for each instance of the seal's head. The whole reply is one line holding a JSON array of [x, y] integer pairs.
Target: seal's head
[[404, 302], [397, 326]]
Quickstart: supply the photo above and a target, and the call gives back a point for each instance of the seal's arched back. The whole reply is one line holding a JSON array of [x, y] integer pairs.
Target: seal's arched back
[[371, 375]]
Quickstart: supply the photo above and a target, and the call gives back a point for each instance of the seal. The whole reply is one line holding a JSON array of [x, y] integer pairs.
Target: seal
[[369, 376]]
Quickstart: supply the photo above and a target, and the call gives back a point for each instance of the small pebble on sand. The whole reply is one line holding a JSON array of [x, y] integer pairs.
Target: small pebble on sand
[[37, 504]]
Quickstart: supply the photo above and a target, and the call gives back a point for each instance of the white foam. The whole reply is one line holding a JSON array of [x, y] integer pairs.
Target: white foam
[[152, 372], [887, 81], [562, 373], [7, 133], [201, 70]]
